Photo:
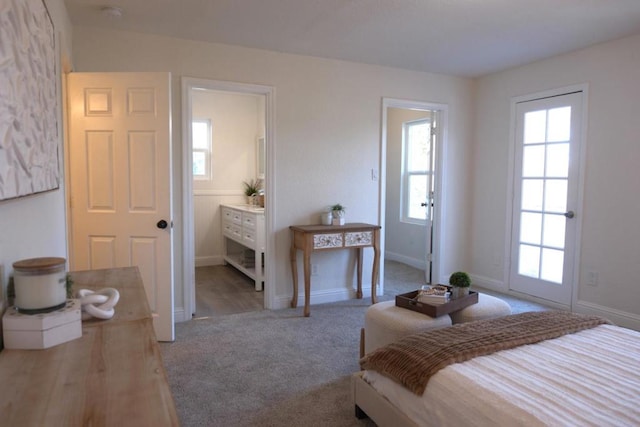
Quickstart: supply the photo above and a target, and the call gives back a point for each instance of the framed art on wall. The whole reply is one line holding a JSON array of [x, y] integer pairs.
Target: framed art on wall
[[28, 100]]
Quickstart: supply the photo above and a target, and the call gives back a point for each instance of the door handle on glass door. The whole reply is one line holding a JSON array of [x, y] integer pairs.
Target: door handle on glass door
[[569, 214]]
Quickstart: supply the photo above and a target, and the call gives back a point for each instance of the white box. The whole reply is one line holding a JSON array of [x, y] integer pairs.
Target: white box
[[39, 331]]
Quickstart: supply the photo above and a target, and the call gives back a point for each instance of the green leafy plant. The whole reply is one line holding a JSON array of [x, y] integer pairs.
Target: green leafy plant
[[337, 209], [460, 279], [252, 187]]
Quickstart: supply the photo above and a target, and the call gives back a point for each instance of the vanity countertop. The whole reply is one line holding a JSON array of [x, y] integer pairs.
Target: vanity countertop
[[246, 208]]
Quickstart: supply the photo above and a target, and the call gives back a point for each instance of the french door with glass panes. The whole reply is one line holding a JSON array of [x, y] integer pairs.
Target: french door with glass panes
[[546, 184]]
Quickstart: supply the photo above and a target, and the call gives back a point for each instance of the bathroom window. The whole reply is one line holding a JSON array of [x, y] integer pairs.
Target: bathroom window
[[201, 146]]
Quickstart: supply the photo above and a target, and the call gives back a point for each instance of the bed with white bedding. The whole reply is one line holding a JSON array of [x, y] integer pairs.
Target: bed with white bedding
[[585, 378]]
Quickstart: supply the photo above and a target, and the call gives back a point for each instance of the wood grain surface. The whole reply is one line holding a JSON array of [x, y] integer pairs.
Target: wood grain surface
[[112, 376]]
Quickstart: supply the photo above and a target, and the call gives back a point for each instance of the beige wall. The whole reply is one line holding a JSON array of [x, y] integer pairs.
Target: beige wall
[[34, 226], [327, 133], [608, 215]]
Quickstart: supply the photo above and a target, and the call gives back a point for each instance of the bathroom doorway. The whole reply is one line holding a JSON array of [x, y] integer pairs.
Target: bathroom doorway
[[224, 127]]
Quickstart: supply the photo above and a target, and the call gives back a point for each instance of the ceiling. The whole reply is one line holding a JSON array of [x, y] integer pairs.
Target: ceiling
[[459, 37]]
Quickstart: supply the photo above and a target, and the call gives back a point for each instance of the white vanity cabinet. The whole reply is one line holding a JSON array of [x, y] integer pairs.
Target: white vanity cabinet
[[243, 232]]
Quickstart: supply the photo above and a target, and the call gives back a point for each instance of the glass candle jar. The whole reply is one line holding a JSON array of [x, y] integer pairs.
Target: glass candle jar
[[40, 284]]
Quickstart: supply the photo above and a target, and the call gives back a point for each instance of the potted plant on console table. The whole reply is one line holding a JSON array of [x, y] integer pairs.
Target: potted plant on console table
[[460, 283], [337, 214]]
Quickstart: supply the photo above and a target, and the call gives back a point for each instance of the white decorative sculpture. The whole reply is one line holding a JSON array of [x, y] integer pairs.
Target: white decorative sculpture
[[99, 303]]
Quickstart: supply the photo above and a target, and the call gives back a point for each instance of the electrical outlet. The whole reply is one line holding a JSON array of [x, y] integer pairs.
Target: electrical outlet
[[314, 269], [592, 278]]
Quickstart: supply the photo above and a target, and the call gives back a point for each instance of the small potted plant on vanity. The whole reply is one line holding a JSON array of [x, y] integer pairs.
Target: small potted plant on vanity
[[460, 283], [251, 190], [337, 214]]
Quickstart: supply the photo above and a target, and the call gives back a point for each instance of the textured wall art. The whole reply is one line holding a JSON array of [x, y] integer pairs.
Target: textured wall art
[[28, 102]]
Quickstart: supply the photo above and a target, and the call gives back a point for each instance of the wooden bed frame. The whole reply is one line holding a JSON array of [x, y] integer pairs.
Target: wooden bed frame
[[369, 403]]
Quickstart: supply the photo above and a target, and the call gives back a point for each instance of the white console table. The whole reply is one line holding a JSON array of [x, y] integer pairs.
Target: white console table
[[243, 228]]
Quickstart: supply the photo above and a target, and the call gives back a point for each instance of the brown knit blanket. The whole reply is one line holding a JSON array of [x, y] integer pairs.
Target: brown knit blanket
[[412, 360]]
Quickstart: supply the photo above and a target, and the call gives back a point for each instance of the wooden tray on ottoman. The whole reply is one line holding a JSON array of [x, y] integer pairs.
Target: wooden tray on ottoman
[[435, 310]]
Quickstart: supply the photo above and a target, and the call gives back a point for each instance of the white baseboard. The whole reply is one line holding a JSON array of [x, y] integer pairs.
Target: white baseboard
[[413, 262], [620, 318], [323, 296], [180, 315], [488, 283]]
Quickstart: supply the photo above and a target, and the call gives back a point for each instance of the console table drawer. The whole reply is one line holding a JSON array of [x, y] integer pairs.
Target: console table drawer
[[334, 240], [361, 238]]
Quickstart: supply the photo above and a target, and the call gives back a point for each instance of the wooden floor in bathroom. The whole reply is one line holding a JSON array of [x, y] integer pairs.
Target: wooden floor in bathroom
[[222, 290]]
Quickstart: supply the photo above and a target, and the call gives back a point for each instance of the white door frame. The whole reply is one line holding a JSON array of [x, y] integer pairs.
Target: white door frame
[[439, 228], [188, 261], [584, 88]]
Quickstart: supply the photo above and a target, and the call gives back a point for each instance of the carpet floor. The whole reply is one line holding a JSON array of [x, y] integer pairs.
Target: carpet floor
[[267, 368], [277, 368]]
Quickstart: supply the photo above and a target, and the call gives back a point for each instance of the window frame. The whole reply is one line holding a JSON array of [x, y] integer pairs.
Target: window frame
[[407, 174], [207, 176]]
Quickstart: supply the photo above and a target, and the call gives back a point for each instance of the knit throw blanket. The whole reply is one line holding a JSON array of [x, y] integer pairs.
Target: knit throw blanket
[[412, 360]]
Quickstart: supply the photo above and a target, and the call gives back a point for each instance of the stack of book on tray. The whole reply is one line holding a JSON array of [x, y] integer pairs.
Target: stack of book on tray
[[434, 295]]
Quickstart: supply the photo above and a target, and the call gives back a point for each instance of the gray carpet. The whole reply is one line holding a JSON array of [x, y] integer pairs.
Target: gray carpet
[[267, 368], [277, 368]]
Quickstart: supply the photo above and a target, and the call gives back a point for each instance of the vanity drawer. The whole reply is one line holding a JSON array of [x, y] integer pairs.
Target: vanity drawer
[[231, 215], [249, 221], [232, 230], [249, 237]]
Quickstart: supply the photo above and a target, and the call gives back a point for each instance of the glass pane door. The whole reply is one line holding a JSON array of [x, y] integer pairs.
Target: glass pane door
[[545, 193]]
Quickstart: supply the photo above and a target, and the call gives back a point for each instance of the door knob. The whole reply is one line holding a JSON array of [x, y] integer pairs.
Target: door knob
[[162, 224], [569, 214]]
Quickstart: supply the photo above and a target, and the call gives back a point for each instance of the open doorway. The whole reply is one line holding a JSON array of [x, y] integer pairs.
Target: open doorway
[[227, 135], [412, 146]]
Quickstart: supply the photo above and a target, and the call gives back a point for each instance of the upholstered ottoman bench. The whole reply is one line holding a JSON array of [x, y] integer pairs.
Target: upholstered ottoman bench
[[385, 323], [487, 307]]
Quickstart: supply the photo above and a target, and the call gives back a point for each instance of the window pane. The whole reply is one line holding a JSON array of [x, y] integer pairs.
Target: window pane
[[200, 131], [532, 194], [554, 229], [555, 195], [533, 161], [559, 124], [558, 160], [530, 228], [528, 264], [552, 265], [534, 126], [418, 147], [417, 196], [199, 168]]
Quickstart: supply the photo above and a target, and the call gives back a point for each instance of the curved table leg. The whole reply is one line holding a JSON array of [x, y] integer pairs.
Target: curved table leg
[[376, 266], [294, 272]]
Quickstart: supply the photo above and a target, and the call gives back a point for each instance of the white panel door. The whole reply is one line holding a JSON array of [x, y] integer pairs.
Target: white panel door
[[120, 179], [545, 196]]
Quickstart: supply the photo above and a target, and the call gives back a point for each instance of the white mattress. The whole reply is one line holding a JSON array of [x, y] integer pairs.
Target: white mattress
[[590, 378]]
